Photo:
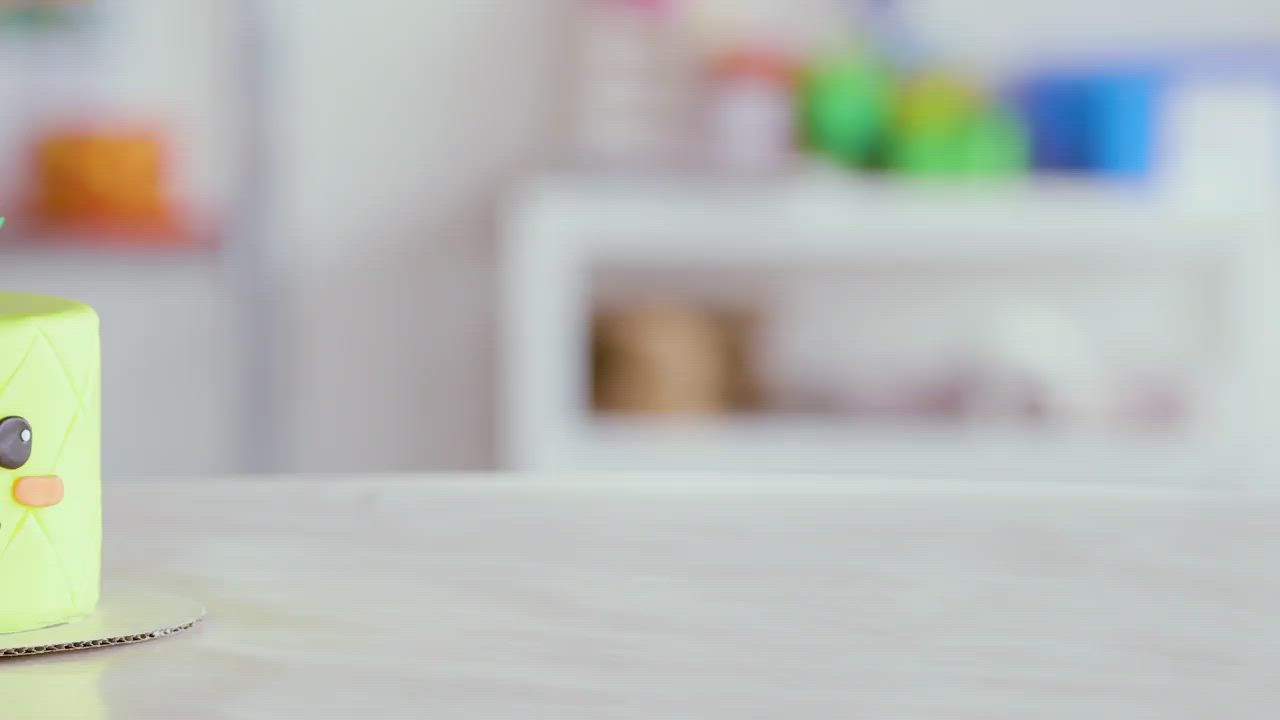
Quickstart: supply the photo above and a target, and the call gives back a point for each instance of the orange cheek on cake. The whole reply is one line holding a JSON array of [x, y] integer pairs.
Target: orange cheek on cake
[[38, 491]]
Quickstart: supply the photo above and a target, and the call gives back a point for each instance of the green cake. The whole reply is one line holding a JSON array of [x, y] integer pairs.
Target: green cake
[[51, 507]]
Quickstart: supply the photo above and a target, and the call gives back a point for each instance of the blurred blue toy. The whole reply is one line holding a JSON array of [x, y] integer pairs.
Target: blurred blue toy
[[1102, 121]]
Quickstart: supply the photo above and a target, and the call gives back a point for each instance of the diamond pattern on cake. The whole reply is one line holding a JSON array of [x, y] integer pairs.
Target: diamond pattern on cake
[[53, 383]]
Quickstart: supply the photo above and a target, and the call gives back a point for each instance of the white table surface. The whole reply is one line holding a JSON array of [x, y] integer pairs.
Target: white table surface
[[683, 598]]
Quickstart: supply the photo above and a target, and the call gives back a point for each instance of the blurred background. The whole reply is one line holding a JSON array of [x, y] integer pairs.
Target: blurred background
[[928, 237]]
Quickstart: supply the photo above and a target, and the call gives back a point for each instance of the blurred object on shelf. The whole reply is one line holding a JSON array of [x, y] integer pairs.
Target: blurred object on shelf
[[846, 106], [1155, 403], [1206, 125], [858, 113], [934, 99], [944, 126], [1125, 122], [1221, 138], [981, 359], [741, 329], [752, 125], [1093, 120], [822, 351], [1057, 110], [869, 95], [108, 184], [634, 103], [995, 144], [671, 360], [1037, 364], [43, 15]]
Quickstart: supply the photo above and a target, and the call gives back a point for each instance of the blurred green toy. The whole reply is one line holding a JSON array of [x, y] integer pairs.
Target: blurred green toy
[[928, 150], [933, 100], [945, 127], [991, 143], [995, 143], [846, 101]]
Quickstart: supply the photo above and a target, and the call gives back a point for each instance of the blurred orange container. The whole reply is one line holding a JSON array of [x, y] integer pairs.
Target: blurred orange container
[[105, 182]]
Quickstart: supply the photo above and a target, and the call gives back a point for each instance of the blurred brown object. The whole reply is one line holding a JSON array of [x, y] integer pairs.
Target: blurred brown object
[[672, 360]]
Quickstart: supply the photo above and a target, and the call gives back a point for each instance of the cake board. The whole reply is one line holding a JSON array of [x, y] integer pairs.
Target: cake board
[[121, 618]]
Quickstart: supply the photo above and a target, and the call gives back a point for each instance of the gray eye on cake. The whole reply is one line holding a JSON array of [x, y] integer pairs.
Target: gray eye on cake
[[15, 442]]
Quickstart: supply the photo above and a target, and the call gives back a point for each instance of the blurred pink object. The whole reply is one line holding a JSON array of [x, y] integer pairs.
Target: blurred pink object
[[632, 87]]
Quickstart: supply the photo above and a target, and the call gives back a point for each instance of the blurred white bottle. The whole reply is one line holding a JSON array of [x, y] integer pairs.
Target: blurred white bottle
[[751, 128], [1221, 142], [1038, 362]]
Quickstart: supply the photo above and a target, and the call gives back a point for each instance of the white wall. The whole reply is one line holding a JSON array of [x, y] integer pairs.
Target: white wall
[[401, 122], [995, 34]]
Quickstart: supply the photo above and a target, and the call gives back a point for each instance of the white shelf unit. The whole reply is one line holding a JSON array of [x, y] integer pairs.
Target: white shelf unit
[[558, 228]]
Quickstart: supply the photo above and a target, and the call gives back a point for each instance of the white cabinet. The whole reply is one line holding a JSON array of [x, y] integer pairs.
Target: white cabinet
[[1209, 274]]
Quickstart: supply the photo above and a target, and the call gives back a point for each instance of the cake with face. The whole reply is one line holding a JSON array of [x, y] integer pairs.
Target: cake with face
[[50, 491]]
